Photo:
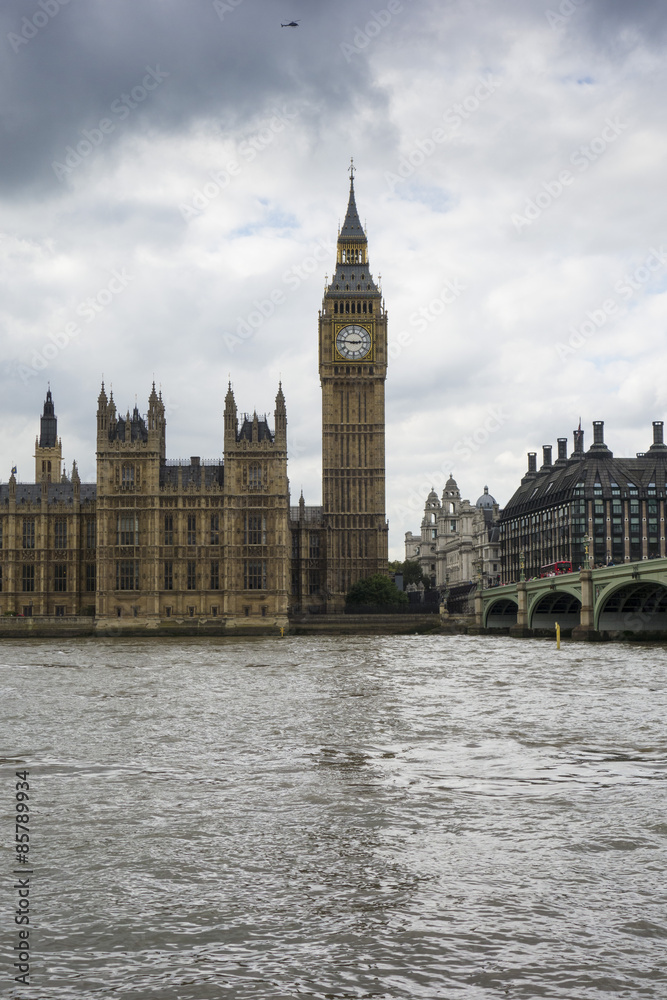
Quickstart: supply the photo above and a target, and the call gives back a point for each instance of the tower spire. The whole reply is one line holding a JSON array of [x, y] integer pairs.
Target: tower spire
[[48, 447], [352, 226]]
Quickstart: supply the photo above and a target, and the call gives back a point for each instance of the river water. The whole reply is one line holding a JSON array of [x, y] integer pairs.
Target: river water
[[451, 816]]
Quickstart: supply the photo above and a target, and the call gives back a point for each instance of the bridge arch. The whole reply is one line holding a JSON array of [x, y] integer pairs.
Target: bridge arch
[[561, 605], [634, 606], [501, 612]]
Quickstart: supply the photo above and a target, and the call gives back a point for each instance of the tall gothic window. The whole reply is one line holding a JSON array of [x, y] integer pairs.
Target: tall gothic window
[[127, 530], [254, 574], [90, 533], [127, 574], [28, 533], [254, 530]]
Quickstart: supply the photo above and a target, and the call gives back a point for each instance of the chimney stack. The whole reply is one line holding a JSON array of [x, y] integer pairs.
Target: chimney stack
[[598, 439], [658, 437]]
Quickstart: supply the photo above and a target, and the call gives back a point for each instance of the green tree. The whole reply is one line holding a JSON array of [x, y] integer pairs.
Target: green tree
[[411, 571], [375, 590]]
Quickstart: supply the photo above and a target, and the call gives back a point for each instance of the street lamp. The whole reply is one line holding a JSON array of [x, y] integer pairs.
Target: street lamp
[[587, 542], [522, 565], [480, 580]]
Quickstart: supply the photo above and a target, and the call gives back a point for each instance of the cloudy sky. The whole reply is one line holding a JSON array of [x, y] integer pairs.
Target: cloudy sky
[[173, 173]]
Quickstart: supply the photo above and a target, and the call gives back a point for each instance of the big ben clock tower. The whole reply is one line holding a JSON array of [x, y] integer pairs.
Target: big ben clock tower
[[353, 369]]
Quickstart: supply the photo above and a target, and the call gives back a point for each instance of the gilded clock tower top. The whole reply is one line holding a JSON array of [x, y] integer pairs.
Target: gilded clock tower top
[[351, 274]]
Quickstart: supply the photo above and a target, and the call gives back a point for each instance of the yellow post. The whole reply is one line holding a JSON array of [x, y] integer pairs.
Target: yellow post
[[282, 631], [557, 636]]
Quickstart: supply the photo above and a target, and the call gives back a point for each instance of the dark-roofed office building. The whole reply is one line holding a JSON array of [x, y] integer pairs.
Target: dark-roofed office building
[[613, 506]]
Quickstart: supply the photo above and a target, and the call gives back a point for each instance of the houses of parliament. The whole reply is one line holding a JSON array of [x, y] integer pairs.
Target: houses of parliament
[[215, 541]]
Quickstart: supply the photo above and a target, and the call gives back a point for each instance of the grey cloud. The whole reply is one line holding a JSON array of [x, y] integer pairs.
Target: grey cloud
[[67, 77]]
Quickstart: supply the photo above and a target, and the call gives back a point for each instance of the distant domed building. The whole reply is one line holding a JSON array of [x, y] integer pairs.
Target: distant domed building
[[457, 543], [486, 501]]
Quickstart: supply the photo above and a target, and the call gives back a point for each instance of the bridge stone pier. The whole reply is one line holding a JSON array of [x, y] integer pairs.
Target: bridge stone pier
[[630, 598]]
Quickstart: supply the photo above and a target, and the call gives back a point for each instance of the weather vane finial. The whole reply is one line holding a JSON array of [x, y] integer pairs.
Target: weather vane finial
[[351, 168]]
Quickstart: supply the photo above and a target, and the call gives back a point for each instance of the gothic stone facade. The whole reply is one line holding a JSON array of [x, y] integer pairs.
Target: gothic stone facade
[[154, 539], [353, 370]]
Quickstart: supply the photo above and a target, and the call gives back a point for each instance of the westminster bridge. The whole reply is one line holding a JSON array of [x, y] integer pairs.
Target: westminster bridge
[[631, 597]]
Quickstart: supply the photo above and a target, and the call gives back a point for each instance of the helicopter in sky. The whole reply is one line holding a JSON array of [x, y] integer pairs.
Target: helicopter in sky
[[290, 24]]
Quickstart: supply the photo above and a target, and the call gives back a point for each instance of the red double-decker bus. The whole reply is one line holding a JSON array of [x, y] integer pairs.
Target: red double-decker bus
[[556, 568]]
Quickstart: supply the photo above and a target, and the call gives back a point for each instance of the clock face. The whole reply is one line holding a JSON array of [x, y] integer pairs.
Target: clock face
[[353, 342]]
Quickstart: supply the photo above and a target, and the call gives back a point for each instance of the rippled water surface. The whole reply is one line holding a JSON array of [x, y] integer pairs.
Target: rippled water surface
[[422, 817]]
